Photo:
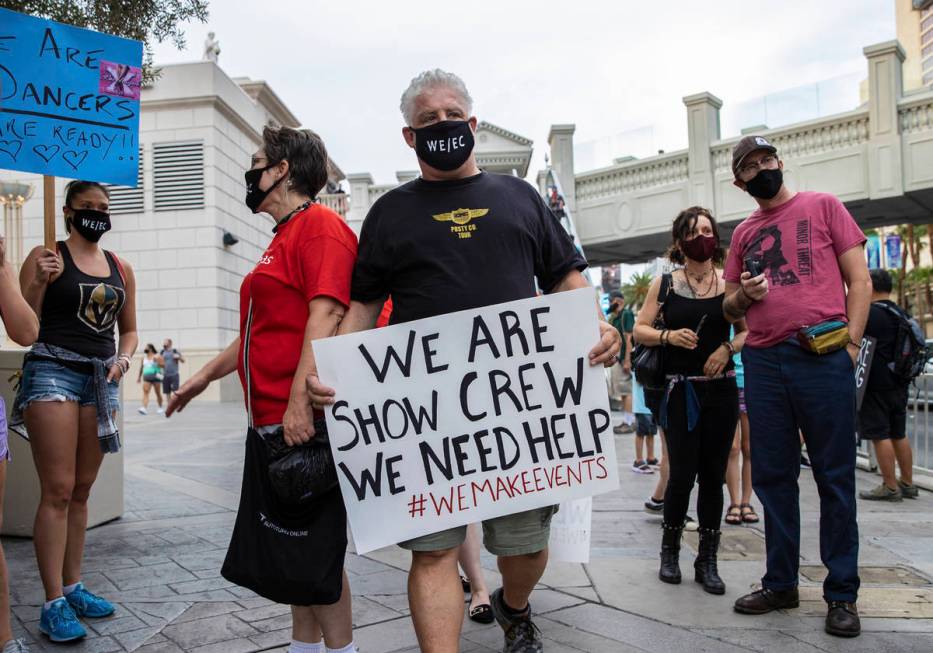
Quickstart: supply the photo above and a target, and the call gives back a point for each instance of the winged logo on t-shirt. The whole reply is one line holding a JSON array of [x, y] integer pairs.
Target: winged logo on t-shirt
[[460, 216], [461, 220]]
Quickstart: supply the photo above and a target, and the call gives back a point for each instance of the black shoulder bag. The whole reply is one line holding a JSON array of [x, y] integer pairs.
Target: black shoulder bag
[[648, 361]]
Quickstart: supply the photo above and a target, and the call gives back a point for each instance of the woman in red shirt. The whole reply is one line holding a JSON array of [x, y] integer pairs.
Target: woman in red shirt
[[297, 293]]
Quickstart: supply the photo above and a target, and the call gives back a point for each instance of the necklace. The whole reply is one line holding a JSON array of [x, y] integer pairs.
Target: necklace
[[288, 217], [713, 278]]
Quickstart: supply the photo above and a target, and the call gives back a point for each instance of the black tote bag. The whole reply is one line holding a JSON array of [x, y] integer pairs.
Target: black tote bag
[[288, 553]]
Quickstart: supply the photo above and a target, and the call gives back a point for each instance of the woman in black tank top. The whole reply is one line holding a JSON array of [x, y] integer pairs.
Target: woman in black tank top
[[698, 408], [69, 392]]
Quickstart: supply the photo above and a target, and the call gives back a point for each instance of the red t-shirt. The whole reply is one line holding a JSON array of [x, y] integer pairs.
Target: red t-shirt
[[311, 255], [799, 244]]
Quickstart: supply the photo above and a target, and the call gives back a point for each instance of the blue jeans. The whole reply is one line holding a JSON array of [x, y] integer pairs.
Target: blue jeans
[[786, 389]]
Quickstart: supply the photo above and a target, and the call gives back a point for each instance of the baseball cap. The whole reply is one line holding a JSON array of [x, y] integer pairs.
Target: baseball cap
[[746, 146]]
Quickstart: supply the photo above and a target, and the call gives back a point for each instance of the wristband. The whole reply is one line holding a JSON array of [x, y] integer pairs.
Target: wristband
[[728, 345]]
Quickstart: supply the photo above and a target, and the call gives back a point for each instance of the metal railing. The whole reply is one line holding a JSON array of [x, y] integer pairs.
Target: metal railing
[[337, 202], [919, 429]]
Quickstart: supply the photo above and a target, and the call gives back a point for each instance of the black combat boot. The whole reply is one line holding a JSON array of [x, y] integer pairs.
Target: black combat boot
[[670, 554], [706, 567]]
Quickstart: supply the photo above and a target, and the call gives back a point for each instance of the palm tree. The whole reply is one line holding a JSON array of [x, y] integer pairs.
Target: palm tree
[[636, 289]]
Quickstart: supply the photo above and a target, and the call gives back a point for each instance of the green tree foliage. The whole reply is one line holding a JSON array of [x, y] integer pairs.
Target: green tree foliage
[[636, 289], [142, 20]]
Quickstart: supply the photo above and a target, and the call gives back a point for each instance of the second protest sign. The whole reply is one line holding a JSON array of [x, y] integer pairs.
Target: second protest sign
[[464, 417]]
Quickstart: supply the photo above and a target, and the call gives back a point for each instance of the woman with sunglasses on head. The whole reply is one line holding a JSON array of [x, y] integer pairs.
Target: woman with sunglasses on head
[[69, 394], [698, 407]]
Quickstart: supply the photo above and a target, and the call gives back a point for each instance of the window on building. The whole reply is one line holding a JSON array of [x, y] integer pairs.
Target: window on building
[[178, 175], [925, 23], [124, 199], [928, 78], [928, 48]]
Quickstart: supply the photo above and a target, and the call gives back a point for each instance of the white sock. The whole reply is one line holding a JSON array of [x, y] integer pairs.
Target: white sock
[[48, 604], [349, 648], [306, 647], [68, 589], [628, 418]]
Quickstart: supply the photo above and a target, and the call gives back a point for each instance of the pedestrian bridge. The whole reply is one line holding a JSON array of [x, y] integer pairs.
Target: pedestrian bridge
[[878, 159]]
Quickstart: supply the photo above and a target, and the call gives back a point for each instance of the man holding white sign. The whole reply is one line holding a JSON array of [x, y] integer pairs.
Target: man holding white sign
[[459, 239]]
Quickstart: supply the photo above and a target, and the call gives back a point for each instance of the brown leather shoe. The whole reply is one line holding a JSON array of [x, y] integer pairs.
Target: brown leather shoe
[[842, 619], [765, 600]]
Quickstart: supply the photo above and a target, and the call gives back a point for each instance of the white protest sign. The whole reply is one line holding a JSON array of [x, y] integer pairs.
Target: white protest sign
[[467, 416], [570, 531]]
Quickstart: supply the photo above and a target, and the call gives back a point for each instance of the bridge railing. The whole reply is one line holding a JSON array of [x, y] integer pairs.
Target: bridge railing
[[632, 175]]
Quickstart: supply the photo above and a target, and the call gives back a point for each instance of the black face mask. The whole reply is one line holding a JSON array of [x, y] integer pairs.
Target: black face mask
[[444, 145], [766, 184], [90, 224], [254, 194]]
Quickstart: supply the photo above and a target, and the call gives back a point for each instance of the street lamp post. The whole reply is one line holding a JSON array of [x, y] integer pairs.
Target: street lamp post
[[12, 196]]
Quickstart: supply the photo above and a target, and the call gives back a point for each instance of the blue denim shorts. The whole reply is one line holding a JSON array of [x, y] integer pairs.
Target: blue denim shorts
[[45, 380]]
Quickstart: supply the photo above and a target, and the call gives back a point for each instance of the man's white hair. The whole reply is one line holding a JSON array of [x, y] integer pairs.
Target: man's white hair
[[429, 79]]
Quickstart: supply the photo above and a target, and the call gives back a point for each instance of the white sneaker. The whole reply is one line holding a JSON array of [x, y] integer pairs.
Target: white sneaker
[[142, 411], [161, 410]]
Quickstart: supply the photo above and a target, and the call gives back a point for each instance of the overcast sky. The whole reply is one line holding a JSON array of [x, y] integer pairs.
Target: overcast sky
[[617, 68]]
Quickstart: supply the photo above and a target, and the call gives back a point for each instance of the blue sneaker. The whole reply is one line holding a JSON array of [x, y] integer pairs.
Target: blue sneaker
[[90, 605], [60, 623]]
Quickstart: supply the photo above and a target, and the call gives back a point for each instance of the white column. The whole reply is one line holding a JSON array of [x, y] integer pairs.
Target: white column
[[560, 140], [885, 88], [405, 176], [360, 182], [702, 131]]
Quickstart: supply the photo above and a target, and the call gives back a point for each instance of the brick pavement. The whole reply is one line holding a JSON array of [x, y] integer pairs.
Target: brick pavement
[[161, 564]]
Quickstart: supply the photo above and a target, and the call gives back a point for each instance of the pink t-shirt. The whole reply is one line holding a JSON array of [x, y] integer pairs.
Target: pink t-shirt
[[799, 244]]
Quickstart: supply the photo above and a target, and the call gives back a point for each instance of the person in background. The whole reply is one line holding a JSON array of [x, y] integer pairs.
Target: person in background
[[740, 474], [474, 582], [645, 430], [699, 409], [796, 266], [22, 327], [150, 375], [883, 415], [620, 375], [171, 357], [69, 394]]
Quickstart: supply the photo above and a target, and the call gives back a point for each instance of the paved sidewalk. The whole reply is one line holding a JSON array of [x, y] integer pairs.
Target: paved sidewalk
[[161, 564]]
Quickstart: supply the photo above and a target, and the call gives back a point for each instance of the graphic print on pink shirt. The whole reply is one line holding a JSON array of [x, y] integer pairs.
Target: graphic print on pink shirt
[[799, 244]]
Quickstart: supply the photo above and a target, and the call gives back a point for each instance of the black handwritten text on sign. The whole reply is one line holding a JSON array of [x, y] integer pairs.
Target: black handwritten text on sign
[[463, 417], [69, 100]]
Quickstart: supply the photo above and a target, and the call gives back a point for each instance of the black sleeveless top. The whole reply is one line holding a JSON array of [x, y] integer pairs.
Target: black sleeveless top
[[685, 313], [79, 312]]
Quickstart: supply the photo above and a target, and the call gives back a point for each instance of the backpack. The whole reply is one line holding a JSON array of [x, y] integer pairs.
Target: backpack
[[910, 349]]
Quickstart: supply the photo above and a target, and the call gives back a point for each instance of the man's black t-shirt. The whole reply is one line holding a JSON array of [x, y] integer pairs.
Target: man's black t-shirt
[[440, 247], [882, 326]]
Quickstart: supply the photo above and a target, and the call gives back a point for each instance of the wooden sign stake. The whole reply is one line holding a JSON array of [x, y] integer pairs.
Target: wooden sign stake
[[48, 196]]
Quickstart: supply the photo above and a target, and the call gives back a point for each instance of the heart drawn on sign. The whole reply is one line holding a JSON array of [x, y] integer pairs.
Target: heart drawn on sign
[[74, 159], [11, 147], [46, 152]]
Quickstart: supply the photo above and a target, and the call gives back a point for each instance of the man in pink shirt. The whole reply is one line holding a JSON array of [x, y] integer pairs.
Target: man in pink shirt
[[788, 269]]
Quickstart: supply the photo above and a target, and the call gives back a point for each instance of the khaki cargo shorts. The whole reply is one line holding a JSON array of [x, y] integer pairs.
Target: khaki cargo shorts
[[510, 535]]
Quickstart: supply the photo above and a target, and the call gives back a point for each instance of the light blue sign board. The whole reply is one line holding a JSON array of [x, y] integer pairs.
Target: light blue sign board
[[873, 251], [893, 250], [69, 100]]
